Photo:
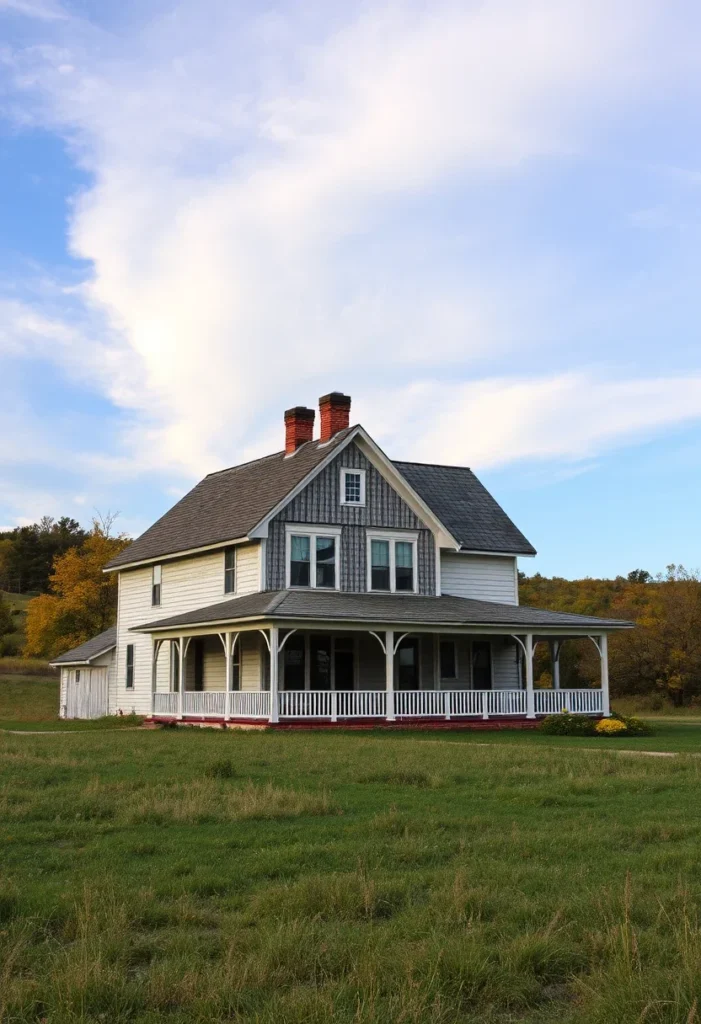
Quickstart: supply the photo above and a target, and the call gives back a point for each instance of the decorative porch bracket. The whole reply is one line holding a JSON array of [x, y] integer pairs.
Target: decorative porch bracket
[[527, 648]]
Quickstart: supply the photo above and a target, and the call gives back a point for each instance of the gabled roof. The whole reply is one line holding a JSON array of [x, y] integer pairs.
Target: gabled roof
[[91, 649], [466, 508], [227, 505], [389, 608]]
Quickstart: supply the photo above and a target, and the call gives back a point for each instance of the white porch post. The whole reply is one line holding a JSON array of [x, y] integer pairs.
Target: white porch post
[[274, 716], [389, 673], [555, 646], [604, 648], [181, 675], [530, 699], [227, 659]]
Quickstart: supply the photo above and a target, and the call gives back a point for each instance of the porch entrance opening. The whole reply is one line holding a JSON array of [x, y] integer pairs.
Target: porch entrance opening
[[408, 664], [481, 665]]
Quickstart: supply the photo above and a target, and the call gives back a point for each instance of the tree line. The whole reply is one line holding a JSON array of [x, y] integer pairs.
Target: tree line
[[660, 659]]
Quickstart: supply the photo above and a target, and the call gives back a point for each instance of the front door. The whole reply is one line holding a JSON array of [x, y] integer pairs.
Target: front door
[[481, 665], [408, 664], [319, 662]]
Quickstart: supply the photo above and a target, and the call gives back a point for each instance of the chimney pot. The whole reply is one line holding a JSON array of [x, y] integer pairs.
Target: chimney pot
[[334, 412], [299, 427]]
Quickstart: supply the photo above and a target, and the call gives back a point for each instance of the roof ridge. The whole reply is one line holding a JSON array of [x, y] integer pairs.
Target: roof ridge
[[434, 465]]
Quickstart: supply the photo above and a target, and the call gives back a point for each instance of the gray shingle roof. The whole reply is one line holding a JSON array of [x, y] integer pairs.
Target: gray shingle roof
[[226, 505], [90, 649], [427, 611], [466, 508]]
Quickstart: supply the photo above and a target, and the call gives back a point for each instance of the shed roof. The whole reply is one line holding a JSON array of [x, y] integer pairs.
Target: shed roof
[[90, 650]]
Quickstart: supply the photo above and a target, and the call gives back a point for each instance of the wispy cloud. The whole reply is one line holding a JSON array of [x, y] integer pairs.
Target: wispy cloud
[[265, 222]]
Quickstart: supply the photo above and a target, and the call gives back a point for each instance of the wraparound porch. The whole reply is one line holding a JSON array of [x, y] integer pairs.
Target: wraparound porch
[[324, 674]]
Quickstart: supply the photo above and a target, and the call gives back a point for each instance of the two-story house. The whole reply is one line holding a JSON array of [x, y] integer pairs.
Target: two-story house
[[327, 583]]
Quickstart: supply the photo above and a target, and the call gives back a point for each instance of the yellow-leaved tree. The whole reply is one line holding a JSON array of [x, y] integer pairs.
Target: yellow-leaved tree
[[83, 599]]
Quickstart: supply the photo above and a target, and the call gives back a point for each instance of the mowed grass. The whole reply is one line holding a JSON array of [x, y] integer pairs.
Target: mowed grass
[[307, 877]]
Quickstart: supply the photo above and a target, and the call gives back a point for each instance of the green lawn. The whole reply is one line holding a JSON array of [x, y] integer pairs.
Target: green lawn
[[196, 876]]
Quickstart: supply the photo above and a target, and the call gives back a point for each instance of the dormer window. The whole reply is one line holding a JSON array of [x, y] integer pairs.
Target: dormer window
[[392, 562], [156, 585], [352, 486], [313, 556]]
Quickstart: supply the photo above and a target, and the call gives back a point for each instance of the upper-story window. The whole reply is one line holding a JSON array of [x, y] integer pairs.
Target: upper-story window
[[352, 486], [312, 557], [230, 571], [156, 584], [392, 562]]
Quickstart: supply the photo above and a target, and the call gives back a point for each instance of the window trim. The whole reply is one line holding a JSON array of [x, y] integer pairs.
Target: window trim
[[303, 530], [393, 536], [130, 667], [235, 569], [345, 470], [156, 587], [454, 678]]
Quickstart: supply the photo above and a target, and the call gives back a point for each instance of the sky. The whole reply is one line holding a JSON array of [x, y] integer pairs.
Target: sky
[[482, 220]]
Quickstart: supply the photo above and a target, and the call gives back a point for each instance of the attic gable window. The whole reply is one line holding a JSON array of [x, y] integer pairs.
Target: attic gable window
[[156, 585], [352, 486], [313, 556]]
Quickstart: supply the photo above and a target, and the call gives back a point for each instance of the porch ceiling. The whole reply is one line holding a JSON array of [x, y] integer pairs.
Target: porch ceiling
[[404, 609]]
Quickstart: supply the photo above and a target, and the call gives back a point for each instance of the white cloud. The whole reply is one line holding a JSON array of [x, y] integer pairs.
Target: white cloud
[[570, 417], [240, 226]]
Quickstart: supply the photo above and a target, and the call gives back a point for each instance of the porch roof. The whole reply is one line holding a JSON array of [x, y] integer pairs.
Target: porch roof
[[91, 649], [379, 608]]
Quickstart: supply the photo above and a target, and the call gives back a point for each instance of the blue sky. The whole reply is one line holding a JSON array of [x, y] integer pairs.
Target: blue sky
[[481, 220]]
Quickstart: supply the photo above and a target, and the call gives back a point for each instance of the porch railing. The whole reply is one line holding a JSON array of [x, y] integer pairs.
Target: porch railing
[[578, 702], [335, 705], [249, 704], [165, 703], [332, 704]]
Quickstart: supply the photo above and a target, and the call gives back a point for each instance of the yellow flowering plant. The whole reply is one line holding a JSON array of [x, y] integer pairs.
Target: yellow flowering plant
[[610, 727]]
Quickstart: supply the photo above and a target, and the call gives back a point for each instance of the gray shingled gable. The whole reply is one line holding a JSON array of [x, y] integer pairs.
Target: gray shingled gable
[[400, 608], [465, 507], [228, 504], [99, 644]]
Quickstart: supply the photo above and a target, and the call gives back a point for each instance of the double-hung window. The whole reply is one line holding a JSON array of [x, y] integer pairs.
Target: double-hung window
[[352, 486], [130, 667], [230, 571], [392, 563], [156, 578], [312, 557]]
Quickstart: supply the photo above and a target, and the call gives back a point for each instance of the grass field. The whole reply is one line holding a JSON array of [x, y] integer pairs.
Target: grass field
[[196, 876]]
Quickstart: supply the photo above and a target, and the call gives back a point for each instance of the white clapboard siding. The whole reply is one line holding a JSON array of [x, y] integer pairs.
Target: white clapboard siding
[[187, 583], [481, 577], [85, 696]]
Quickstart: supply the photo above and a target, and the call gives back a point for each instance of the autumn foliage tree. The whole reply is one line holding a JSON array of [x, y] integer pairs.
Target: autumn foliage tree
[[82, 601], [660, 658]]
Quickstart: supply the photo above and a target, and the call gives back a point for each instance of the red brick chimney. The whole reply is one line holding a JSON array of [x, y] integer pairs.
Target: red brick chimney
[[299, 427], [334, 411]]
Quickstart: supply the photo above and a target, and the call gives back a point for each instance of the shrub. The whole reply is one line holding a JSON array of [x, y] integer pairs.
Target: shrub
[[566, 724], [610, 727], [634, 726]]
